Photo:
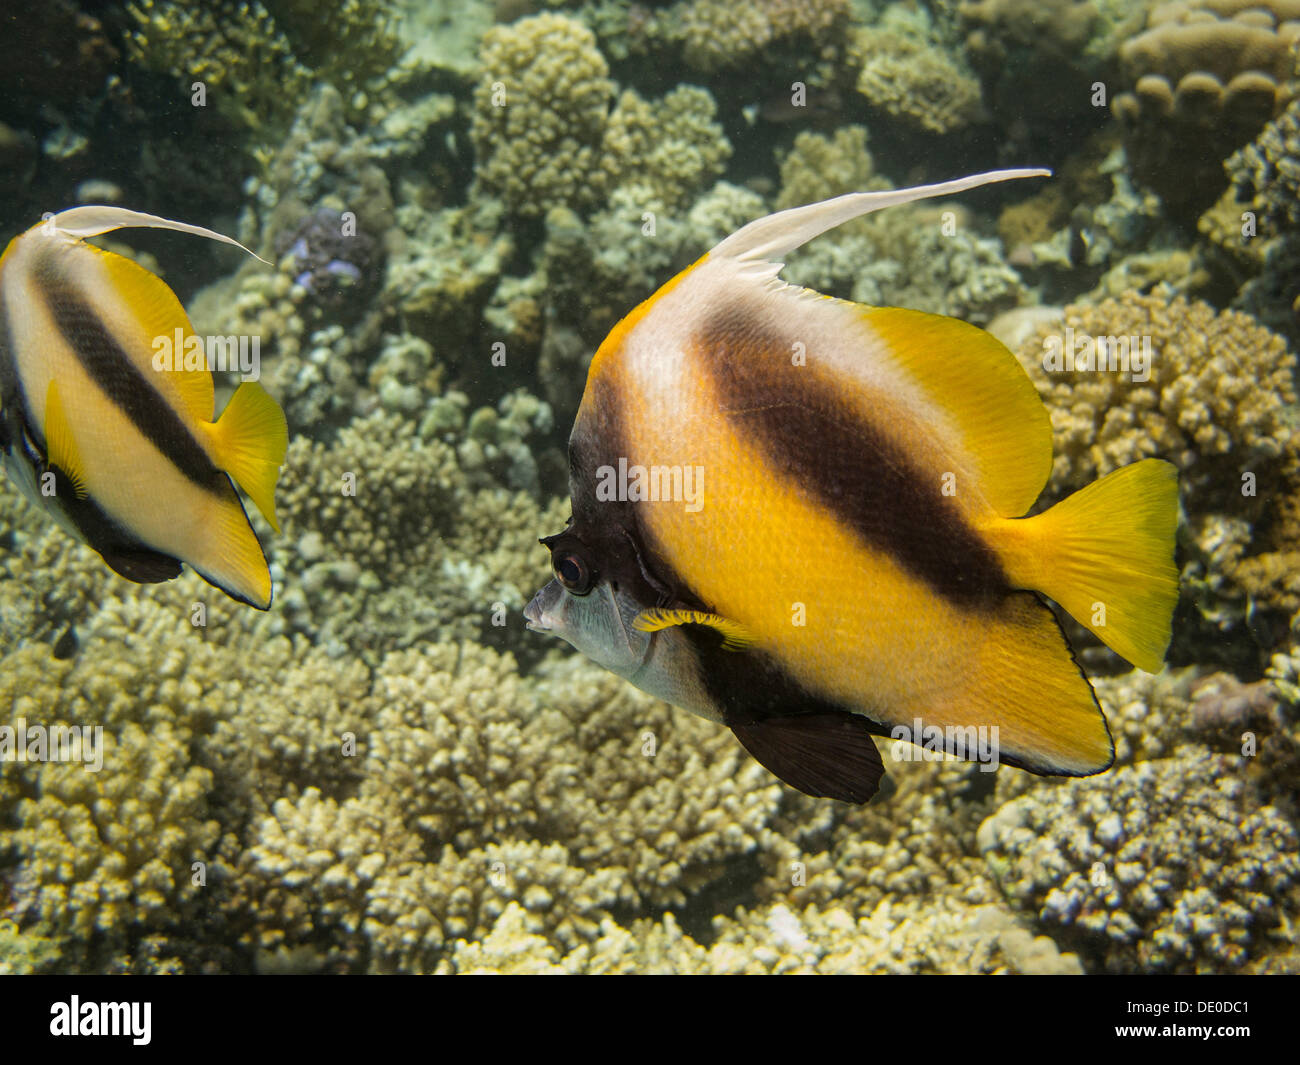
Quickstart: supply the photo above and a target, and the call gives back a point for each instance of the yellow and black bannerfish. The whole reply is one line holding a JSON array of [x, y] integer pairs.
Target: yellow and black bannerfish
[[125, 456], [855, 558]]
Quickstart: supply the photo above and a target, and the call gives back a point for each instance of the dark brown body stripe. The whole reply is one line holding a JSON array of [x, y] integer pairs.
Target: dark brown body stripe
[[116, 375], [812, 437], [10, 393], [611, 530]]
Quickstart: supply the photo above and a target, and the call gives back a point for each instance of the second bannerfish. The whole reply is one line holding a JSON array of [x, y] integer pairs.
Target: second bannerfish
[[120, 449]]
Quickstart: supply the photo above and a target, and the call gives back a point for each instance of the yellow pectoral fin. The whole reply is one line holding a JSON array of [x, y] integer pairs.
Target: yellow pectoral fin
[[735, 637], [249, 442], [61, 448]]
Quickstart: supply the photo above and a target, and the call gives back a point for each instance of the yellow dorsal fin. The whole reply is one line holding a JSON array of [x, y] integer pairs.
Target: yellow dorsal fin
[[249, 442], [735, 636], [60, 447], [970, 374], [159, 315]]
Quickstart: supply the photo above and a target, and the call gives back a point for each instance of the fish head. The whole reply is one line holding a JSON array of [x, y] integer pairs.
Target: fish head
[[588, 607]]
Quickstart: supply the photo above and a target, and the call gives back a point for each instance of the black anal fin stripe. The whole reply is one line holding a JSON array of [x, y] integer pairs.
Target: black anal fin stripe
[[829, 755]]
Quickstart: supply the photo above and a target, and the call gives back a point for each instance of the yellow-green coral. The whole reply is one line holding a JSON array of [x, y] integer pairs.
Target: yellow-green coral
[[364, 28], [1214, 402], [539, 113], [667, 149], [258, 60], [717, 35], [915, 81], [547, 137], [107, 854], [818, 167], [244, 61], [1144, 870]]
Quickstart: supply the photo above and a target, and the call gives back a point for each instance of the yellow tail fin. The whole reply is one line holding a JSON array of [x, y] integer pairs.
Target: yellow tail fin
[[1106, 554], [250, 440]]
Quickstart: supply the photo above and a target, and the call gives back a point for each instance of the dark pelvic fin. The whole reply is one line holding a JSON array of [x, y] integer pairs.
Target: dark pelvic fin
[[829, 755], [141, 565]]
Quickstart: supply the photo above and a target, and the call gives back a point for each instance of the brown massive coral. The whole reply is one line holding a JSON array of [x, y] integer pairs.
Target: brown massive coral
[[1203, 78]]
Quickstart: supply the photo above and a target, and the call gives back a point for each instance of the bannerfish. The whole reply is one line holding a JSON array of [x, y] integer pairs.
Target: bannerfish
[[119, 447], [803, 518]]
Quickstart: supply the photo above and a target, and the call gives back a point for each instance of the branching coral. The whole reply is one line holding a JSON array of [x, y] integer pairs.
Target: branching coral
[[666, 150], [258, 60], [1215, 403], [1265, 223], [818, 167], [915, 81], [546, 136], [242, 58], [539, 113], [1177, 865], [716, 35], [386, 772]]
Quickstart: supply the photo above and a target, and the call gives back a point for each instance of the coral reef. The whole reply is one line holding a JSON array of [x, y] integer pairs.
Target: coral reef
[[546, 136], [1264, 226], [915, 82], [715, 35], [386, 772], [818, 167], [539, 113], [922, 256], [259, 60], [1208, 74], [1038, 60], [667, 150], [1267, 172], [1175, 865], [1216, 401]]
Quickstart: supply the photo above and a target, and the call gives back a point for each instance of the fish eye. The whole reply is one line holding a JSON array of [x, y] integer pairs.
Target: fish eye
[[572, 571]]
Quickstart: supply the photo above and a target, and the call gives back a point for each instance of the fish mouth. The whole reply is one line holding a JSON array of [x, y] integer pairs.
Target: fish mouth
[[533, 614]]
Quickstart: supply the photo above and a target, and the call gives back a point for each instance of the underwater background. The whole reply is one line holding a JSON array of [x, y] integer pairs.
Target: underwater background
[[386, 772]]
